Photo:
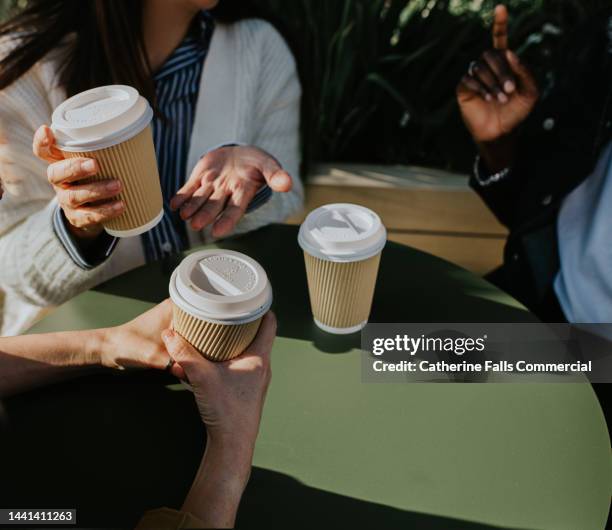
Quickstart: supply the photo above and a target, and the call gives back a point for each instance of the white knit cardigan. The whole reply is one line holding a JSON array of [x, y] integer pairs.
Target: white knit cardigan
[[249, 93]]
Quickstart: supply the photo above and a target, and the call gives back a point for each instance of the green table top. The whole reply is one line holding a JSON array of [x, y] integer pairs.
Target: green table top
[[332, 449]]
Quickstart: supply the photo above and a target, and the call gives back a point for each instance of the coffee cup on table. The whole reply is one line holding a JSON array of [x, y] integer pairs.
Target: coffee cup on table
[[112, 125], [342, 245], [219, 300]]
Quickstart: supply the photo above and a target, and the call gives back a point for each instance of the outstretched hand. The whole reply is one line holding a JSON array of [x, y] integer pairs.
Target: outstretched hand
[[222, 185]]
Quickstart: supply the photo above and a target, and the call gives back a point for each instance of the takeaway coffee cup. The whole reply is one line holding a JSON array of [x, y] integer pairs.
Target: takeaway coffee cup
[[219, 299], [112, 125], [342, 244]]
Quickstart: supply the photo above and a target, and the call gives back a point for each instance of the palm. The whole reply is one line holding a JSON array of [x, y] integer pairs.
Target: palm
[[222, 185], [239, 169], [490, 120], [242, 164]]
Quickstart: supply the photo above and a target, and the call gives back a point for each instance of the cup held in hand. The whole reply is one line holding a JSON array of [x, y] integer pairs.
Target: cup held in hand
[[342, 244], [219, 298], [112, 125]]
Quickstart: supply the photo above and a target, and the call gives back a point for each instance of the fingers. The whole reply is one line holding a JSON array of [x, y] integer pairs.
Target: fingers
[[199, 198], [87, 216], [177, 371], [527, 83], [44, 145], [483, 73], [500, 28], [470, 86], [211, 209], [198, 177], [498, 64], [76, 196], [71, 170], [236, 206], [181, 351], [262, 344]]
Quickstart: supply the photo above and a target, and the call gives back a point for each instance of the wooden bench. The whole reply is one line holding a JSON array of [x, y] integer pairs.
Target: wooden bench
[[428, 209]]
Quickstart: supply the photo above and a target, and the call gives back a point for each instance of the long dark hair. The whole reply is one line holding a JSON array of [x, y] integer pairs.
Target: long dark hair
[[108, 45]]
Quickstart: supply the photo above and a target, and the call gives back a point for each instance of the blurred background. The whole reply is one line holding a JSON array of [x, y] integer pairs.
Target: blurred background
[[380, 123], [379, 75]]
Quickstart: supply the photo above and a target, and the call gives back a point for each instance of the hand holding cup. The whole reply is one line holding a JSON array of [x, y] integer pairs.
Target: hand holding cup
[[137, 344], [86, 204], [230, 395]]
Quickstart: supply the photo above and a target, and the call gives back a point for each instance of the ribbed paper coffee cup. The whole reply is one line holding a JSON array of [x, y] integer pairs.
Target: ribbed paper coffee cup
[[219, 299], [342, 245], [112, 125]]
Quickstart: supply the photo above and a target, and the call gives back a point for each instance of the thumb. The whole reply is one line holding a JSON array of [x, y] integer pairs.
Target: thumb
[[276, 177], [44, 146], [180, 350], [527, 83]]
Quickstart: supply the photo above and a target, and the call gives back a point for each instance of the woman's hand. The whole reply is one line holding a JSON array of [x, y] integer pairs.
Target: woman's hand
[[86, 205], [497, 94], [222, 185], [29, 361], [138, 344], [230, 397]]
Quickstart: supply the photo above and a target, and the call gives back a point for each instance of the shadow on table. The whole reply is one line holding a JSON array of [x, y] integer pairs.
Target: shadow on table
[[275, 500], [115, 446], [110, 446], [412, 287]]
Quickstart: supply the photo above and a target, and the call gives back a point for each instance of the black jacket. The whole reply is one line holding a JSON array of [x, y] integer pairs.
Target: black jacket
[[559, 146]]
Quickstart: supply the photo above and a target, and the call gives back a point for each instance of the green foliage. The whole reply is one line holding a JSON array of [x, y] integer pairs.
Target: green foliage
[[379, 76]]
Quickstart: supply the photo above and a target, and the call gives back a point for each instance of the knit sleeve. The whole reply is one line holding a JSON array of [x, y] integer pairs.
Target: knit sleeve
[[277, 121], [34, 266]]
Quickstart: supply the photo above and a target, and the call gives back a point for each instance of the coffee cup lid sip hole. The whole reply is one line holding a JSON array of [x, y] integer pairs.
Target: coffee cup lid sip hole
[[221, 286], [100, 118], [343, 233]]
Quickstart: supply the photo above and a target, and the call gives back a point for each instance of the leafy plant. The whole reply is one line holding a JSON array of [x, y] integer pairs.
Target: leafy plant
[[379, 76]]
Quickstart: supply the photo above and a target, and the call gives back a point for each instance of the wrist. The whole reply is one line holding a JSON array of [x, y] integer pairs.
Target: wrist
[[84, 234], [100, 347], [498, 154]]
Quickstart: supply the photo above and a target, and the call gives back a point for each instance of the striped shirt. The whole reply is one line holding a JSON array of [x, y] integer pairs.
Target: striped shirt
[[177, 86]]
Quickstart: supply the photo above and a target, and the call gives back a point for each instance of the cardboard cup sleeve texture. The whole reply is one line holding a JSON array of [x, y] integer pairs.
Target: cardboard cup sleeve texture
[[112, 125], [219, 300], [342, 246]]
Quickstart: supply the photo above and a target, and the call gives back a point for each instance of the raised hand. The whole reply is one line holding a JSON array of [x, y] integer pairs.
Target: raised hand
[[222, 185], [498, 92], [86, 204]]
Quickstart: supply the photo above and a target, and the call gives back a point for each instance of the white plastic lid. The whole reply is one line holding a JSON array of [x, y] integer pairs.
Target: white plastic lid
[[342, 232], [100, 118], [221, 286]]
